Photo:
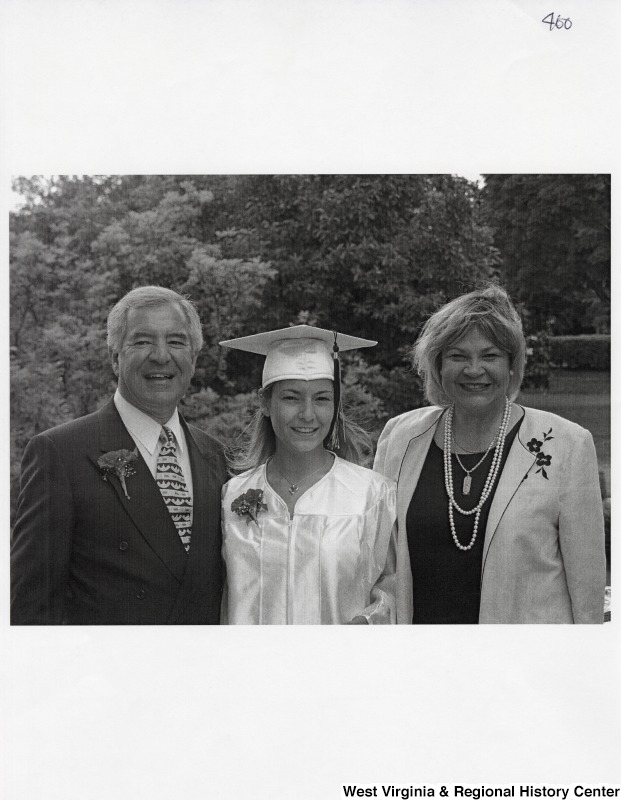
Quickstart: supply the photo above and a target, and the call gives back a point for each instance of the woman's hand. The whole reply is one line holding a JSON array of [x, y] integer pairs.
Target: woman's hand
[[359, 621]]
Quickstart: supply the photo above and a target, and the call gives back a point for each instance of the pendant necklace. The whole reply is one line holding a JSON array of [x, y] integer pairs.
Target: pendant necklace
[[294, 487], [465, 489]]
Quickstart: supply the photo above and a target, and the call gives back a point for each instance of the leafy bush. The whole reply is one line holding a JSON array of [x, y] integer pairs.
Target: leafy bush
[[224, 417], [589, 351], [537, 369], [393, 391]]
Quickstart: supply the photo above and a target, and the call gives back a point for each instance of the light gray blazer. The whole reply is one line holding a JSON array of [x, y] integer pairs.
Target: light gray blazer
[[543, 554]]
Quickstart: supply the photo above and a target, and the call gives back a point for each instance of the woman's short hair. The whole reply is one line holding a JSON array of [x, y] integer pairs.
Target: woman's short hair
[[491, 312], [152, 296], [260, 441]]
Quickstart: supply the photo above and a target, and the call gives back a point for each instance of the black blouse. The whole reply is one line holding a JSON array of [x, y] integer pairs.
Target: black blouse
[[446, 580]]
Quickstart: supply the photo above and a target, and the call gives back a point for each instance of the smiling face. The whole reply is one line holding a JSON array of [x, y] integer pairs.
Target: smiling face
[[155, 363], [301, 413], [475, 374]]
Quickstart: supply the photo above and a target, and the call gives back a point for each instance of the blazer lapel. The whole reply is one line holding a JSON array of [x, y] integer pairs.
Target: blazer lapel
[[411, 466], [518, 463], [412, 462], [145, 505]]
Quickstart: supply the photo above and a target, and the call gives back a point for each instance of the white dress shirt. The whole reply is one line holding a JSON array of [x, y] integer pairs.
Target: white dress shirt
[[145, 431]]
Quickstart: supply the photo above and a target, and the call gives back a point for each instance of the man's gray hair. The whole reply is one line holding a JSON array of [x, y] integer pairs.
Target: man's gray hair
[[152, 296]]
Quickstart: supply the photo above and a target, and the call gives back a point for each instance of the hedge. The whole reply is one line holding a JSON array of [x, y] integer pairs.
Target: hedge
[[588, 351]]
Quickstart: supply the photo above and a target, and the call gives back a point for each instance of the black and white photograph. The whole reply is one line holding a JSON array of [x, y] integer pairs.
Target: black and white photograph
[[142, 308], [309, 317]]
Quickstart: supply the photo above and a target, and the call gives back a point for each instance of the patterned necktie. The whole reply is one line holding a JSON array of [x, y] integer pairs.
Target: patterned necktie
[[173, 487]]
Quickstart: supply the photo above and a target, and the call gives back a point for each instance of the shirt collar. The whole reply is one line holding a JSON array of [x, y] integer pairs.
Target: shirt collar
[[143, 427]]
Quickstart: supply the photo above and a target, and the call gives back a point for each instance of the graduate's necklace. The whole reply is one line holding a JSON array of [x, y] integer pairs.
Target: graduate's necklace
[[294, 487], [491, 475]]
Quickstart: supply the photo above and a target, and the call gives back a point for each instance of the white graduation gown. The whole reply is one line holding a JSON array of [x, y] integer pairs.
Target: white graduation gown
[[332, 561]]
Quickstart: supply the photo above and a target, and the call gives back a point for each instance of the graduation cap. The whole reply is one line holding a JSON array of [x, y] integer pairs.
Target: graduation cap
[[305, 353]]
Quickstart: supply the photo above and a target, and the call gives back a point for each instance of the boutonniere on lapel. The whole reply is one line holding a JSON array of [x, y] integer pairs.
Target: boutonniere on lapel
[[119, 463], [543, 460], [249, 504]]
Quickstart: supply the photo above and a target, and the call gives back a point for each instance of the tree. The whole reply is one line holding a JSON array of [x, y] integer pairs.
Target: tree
[[553, 233], [380, 251]]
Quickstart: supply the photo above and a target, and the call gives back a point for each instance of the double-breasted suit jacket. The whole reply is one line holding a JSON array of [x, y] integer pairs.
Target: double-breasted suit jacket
[[543, 554], [83, 553]]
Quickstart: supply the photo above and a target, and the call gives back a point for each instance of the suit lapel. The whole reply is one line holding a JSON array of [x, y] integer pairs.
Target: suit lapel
[[203, 505], [145, 505], [518, 463], [208, 476]]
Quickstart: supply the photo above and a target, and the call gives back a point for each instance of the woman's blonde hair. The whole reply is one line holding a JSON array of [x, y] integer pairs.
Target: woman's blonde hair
[[259, 441], [490, 311]]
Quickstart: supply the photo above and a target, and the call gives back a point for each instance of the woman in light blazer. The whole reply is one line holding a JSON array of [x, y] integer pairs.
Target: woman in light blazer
[[499, 510]]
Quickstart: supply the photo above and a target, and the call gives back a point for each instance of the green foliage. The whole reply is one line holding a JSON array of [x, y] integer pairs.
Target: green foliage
[[228, 293], [382, 251], [225, 417], [553, 233], [395, 391], [537, 369], [581, 352]]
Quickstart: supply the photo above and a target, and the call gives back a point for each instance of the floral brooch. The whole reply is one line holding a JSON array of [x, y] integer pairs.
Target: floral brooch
[[543, 460], [119, 463], [249, 504]]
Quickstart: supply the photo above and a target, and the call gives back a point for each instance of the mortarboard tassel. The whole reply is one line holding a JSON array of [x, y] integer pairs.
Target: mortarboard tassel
[[333, 436]]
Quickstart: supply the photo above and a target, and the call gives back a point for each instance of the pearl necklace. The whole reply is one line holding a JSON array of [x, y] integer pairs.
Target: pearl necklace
[[491, 475]]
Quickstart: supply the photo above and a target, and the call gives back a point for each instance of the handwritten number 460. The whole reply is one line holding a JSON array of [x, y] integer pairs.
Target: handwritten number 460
[[559, 22]]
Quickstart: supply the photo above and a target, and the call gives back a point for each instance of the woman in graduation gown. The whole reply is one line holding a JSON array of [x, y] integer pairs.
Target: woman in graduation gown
[[307, 532], [499, 508]]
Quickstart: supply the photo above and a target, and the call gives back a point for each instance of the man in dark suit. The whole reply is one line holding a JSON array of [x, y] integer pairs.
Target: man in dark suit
[[118, 518]]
